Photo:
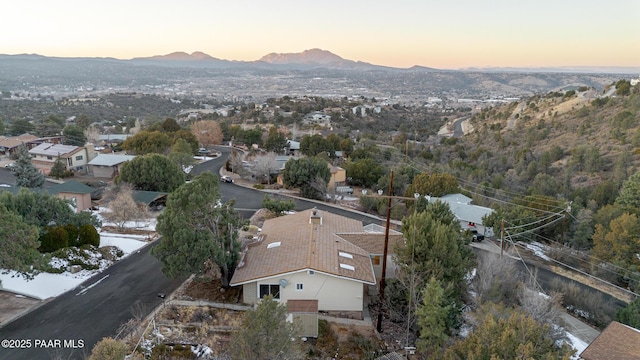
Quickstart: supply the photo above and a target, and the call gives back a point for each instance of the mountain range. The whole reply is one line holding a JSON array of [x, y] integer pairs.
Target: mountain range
[[308, 59], [314, 59], [326, 59]]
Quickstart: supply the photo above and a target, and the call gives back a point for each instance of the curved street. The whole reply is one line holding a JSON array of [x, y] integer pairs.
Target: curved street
[[103, 303]]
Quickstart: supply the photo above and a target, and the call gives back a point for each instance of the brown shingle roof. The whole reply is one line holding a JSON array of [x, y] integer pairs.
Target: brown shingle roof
[[306, 306], [292, 243], [373, 243], [11, 142], [617, 341]]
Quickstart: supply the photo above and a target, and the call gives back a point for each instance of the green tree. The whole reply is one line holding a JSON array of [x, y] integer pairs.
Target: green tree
[[182, 154], [186, 136], [21, 126], [312, 145], [508, 334], [74, 135], [152, 172], [251, 136], [364, 172], [346, 146], [311, 175], [433, 185], [276, 141], [57, 170], [432, 319], [629, 197], [623, 87], [48, 127], [19, 250], [266, 334], [169, 125], [198, 231], [147, 142], [630, 315], [435, 249], [26, 174], [83, 121]]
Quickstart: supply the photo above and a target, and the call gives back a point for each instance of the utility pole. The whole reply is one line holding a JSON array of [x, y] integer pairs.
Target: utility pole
[[502, 238], [384, 257]]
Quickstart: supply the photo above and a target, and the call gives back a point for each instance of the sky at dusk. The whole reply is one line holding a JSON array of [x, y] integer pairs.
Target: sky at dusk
[[441, 34]]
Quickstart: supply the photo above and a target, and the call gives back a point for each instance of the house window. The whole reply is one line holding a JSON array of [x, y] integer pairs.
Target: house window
[[270, 289], [299, 287], [311, 272], [79, 157], [375, 260], [49, 157]]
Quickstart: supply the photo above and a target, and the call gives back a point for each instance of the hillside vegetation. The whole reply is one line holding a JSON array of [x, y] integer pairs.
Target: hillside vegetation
[[575, 151]]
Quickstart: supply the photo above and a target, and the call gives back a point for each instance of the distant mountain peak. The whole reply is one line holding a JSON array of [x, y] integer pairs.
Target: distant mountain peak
[[183, 56], [311, 56]]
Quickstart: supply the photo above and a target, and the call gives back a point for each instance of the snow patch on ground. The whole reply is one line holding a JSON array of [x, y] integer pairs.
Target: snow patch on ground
[[538, 249], [46, 285], [577, 344]]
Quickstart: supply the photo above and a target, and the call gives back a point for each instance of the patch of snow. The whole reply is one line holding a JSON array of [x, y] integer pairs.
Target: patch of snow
[[577, 344], [46, 285], [538, 250]]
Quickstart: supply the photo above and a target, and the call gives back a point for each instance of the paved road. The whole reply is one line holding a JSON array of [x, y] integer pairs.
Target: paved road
[[104, 302], [85, 315]]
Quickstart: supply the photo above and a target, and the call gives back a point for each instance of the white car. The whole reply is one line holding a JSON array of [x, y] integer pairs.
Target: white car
[[226, 178]]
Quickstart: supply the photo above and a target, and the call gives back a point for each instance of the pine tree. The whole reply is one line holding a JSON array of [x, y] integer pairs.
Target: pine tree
[[266, 334], [26, 174], [58, 170], [198, 231], [19, 242]]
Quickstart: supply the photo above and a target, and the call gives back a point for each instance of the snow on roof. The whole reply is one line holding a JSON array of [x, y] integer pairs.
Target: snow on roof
[[110, 159], [49, 149]]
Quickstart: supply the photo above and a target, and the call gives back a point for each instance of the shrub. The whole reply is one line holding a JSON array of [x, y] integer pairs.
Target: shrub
[[258, 186], [72, 231], [87, 234], [108, 349], [53, 239], [277, 206]]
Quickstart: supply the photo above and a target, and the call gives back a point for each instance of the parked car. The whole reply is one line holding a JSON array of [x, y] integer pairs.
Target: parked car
[[226, 178], [11, 166], [203, 151], [476, 236], [344, 189]]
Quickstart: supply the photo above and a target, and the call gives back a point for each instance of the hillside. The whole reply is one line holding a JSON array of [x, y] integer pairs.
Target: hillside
[[568, 145]]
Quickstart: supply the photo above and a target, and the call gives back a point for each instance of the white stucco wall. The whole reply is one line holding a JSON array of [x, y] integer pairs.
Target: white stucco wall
[[332, 293]]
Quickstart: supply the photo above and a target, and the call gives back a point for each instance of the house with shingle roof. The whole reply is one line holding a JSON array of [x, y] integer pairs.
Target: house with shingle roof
[[304, 256], [617, 341], [9, 145], [73, 157]]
